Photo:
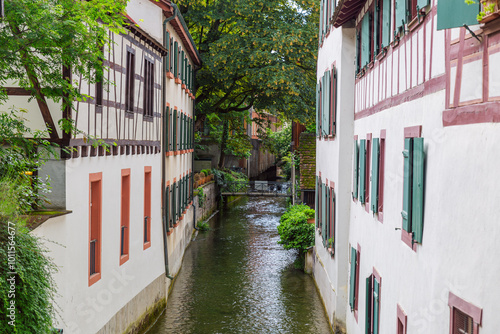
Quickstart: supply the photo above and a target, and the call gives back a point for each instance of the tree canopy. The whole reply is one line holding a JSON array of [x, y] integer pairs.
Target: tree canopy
[[43, 41], [255, 53]]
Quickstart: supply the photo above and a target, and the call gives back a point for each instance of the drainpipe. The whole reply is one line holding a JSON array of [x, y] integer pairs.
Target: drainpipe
[[164, 151]]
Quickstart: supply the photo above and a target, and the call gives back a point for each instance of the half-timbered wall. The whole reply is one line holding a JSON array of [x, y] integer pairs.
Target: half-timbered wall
[[132, 130]]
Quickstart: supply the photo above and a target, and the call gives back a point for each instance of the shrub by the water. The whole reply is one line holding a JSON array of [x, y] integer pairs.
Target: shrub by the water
[[294, 231]]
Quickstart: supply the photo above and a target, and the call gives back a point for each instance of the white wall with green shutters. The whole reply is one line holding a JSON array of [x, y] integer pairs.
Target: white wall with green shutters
[[460, 216], [330, 277]]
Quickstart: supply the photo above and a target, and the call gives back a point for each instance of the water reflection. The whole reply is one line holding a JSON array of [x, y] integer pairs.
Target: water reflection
[[237, 279]]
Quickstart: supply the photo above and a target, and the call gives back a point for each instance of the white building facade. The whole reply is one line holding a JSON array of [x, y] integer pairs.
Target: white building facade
[[129, 207], [407, 116]]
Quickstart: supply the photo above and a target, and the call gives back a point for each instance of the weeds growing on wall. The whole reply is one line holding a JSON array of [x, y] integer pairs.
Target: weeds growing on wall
[[26, 285]]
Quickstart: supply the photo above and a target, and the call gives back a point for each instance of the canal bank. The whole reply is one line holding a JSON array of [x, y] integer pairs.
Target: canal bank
[[235, 278]]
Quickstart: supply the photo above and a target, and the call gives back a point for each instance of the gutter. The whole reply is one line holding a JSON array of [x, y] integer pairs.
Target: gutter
[[163, 151], [177, 13]]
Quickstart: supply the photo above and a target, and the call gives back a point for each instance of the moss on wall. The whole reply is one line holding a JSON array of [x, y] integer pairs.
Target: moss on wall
[[307, 153]]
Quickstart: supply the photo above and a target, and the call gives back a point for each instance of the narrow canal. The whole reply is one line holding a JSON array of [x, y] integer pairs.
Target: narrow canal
[[235, 278]]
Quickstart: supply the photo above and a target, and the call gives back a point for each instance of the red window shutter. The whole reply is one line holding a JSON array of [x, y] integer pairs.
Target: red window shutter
[[95, 226]]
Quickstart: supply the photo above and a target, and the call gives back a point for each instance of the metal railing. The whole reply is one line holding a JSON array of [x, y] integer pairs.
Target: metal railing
[[258, 187]]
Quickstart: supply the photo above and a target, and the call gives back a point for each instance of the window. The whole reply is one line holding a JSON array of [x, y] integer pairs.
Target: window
[[331, 220], [367, 171], [355, 169], [174, 203], [402, 321], [166, 207], [372, 302], [130, 80], [95, 218], [149, 83], [147, 207], [413, 187], [364, 170], [465, 318], [333, 100], [382, 25], [125, 216], [326, 103], [169, 51], [407, 10], [365, 39], [378, 161], [354, 281]]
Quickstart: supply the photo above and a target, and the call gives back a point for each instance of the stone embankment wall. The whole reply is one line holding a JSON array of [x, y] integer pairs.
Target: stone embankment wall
[[211, 195]]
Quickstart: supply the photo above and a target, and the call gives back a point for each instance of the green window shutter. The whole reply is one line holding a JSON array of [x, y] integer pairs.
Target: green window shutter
[[179, 198], [165, 129], [422, 3], [376, 306], [386, 22], [328, 214], [316, 202], [323, 210], [334, 101], [174, 211], [326, 113], [352, 280], [174, 125], [166, 207], [368, 304], [406, 213], [176, 57], [375, 160], [169, 51], [362, 170], [461, 13], [376, 37], [325, 221], [318, 107], [400, 13], [365, 40], [417, 211], [355, 171]]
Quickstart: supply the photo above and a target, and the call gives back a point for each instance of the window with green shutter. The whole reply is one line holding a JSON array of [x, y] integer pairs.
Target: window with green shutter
[[352, 280], [176, 58], [316, 202], [400, 8], [372, 308], [362, 170], [375, 172], [318, 109], [333, 101], [413, 186], [365, 40], [355, 170], [166, 207], [325, 123]]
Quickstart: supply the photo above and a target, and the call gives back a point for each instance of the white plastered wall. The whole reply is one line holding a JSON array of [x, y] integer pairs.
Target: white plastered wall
[[83, 308]]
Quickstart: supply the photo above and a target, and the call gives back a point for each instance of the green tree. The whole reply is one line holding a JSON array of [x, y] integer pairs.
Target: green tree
[[44, 41], [294, 230], [259, 54]]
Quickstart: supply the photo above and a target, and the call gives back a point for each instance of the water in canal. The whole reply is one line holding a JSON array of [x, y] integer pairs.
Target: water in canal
[[235, 278]]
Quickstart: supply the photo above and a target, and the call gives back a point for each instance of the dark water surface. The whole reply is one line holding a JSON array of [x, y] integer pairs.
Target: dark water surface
[[235, 278]]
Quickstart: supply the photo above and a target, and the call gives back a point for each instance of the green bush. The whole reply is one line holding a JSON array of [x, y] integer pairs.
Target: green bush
[[294, 231], [30, 274]]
